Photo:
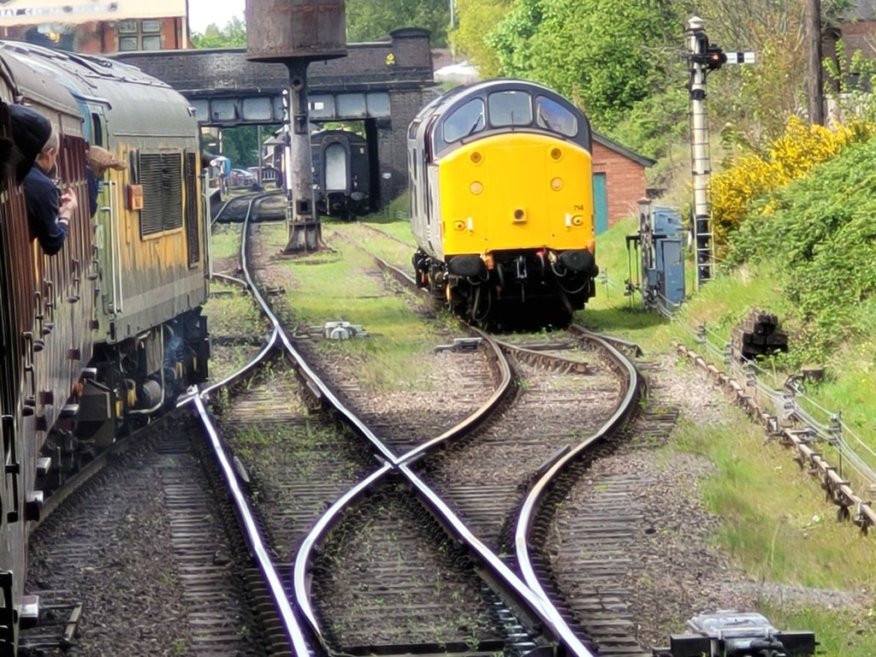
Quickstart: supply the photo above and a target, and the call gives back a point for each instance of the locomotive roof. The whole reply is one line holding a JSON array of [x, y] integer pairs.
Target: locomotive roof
[[52, 77], [459, 95], [428, 121], [86, 69]]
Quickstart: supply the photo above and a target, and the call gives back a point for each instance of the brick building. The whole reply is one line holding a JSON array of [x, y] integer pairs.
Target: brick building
[[857, 31], [94, 27], [618, 181]]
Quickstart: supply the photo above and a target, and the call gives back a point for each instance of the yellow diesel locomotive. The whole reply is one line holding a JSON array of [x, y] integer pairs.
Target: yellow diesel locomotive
[[502, 203]]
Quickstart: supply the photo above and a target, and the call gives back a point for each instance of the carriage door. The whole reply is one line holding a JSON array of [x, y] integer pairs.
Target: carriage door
[[600, 203], [336, 168]]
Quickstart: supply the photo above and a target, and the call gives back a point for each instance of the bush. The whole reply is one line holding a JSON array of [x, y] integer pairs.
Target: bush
[[753, 176], [819, 232]]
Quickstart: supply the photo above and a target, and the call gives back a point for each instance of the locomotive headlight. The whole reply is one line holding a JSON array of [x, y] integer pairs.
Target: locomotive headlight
[[476, 188], [556, 153], [577, 220], [557, 184], [459, 224], [476, 157]]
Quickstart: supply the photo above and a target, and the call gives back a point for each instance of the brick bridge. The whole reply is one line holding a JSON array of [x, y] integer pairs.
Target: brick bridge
[[383, 84]]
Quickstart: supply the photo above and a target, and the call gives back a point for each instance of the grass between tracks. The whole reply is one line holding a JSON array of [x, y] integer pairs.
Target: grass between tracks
[[329, 285], [225, 244]]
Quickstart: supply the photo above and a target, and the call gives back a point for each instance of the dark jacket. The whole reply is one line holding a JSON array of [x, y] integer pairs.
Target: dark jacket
[[93, 189], [43, 201]]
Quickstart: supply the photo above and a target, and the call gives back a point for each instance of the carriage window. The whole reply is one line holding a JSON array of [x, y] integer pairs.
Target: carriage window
[[510, 108], [465, 121], [552, 116], [139, 35]]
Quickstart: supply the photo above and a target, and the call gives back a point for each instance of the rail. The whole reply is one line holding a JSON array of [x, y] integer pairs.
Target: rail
[[538, 605]]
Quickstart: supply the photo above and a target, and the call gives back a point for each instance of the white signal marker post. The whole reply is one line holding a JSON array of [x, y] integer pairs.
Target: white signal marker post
[[703, 58], [699, 144]]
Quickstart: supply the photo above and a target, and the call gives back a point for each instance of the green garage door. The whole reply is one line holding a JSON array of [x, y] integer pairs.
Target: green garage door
[[600, 203]]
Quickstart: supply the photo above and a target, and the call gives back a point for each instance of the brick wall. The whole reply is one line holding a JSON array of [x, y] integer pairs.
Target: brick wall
[[624, 181], [857, 36], [228, 69]]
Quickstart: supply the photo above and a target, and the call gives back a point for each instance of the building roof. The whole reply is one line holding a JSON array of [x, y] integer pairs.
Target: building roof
[[622, 150]]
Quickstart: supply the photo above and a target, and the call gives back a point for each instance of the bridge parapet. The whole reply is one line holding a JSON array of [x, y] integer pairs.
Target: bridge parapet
[[405, 60], [382, 83]]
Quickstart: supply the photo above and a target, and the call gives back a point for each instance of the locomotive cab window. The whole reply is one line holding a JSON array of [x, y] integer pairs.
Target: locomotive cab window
[[510, 108], [465, 121], [552, 116]]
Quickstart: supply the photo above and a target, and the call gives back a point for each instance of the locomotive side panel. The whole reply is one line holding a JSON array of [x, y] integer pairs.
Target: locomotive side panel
[[153, 244], [48, 305], [153, 230]]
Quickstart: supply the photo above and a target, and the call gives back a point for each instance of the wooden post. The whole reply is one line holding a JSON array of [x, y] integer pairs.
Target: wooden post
[[814, 73]]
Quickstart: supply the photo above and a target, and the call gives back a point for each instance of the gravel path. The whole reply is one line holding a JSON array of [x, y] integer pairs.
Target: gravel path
[[678, 572]]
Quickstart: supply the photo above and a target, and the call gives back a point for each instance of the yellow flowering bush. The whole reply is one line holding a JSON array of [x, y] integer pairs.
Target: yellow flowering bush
[[753, 176]]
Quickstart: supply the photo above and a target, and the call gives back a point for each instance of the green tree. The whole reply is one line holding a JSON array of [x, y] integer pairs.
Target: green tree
[[240, 144], [233, 35], [605, 54], [475, 20], [370, 20]]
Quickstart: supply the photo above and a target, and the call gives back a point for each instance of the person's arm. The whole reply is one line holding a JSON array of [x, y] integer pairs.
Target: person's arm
[[48, 215], [68, 206]]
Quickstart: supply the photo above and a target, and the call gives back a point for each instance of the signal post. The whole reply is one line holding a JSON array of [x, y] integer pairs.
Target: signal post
[[704, 57]]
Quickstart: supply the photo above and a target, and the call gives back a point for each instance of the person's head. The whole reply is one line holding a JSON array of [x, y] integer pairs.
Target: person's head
[[31, 132], [48, 156]]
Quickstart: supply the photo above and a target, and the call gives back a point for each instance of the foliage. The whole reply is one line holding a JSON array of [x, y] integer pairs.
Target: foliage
[[752, 176], [655, 127], [606, 54], [819, 230], [240, 144], [850, 84], [476, 19], [233, 35], [370, 20]]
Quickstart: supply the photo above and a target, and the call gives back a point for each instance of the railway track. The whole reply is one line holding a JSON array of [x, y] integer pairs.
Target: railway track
[[415, 448], [176, 591], [362, 532]]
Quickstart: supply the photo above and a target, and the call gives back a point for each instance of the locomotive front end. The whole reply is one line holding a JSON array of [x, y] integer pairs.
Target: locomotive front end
[[506, 203]]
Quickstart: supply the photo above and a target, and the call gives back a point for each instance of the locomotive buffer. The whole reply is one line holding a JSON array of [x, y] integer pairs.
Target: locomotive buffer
[[297, 32]]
